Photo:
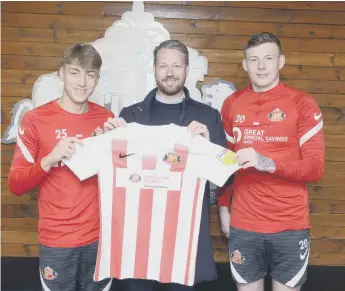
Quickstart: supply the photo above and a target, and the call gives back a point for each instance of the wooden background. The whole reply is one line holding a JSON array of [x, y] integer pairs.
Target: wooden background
[[313, 38]]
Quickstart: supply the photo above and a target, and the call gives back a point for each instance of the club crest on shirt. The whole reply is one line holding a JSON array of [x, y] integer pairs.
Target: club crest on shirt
[[98, 131], [276, 115], [172, 158], [135, 178], [236, 257], [49, 274], [227, 157]]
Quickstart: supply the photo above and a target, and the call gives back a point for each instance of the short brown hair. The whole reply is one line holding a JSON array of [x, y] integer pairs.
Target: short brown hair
[[172, 44], [261, 38], [85, 55]]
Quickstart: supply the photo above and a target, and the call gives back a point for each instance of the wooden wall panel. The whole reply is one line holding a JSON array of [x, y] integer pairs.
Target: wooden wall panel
[[34, 35]]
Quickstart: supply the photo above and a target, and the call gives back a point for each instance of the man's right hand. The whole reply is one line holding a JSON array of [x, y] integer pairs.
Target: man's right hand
[[64, 149], [224, 216]]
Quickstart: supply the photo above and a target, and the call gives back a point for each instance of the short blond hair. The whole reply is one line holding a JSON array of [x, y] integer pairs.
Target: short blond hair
[[84, 55]]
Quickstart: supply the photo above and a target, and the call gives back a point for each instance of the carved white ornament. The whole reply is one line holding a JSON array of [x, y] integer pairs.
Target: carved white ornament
[[127, 71], [216, 92]]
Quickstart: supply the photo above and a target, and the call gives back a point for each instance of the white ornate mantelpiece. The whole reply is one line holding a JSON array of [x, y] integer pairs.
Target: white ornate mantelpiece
[[127, 70]]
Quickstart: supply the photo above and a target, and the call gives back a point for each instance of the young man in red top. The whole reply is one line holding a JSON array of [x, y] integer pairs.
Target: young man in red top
[[68, 225], [277, 133]]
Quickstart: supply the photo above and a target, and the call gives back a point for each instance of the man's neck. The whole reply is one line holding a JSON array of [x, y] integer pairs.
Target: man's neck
[[177, 98], [68, 105], [265, 89]]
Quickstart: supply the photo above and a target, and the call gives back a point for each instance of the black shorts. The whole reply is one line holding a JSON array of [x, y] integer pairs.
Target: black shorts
[[285, 253], [65, 268]]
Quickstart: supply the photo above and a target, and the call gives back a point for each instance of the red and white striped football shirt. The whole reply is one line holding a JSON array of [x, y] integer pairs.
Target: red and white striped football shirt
[[152, 181]]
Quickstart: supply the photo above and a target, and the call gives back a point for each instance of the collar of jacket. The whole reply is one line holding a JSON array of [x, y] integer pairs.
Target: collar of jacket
[[142, 111]]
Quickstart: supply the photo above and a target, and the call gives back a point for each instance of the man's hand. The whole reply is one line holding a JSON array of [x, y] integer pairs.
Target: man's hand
[[198, 128], [224, 216], [248, 157], [64, 149], [113, 123]]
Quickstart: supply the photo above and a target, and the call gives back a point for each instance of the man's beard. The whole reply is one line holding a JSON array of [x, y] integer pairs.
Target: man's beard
[[171, 90]]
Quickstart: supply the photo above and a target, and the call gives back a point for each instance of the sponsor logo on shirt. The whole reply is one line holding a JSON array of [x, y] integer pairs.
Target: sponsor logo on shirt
[[148, 179], [135, 178], [49, 274], [276, 115], [258, 135], [237, 257], [172, 158], [227, 157]]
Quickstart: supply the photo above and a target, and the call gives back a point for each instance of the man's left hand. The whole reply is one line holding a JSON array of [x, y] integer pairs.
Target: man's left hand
[[198, 128], [249, 157]]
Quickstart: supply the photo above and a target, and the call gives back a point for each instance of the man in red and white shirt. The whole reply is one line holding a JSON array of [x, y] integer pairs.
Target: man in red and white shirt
[[277, 134], [68, 224]]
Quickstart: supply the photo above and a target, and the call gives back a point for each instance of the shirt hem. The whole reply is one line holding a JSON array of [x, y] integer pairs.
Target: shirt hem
[[262, 228], [77, 245]]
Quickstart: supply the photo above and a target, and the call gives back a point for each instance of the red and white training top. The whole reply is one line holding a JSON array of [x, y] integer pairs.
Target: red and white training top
[[68, 208], [286, 125], [152, 181]]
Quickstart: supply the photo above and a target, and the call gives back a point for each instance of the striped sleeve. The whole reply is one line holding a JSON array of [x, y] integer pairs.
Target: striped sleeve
[[211, 161], [310, 134]]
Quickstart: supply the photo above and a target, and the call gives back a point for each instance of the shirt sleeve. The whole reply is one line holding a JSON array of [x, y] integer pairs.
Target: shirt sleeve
[[211, 161], [26, 172], [224, 193], [227, 123], [310, 167], [85, 161]]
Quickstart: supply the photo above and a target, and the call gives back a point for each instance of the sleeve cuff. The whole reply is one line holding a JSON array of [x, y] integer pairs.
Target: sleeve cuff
[[280, 169], [39, 171], [224, 194]]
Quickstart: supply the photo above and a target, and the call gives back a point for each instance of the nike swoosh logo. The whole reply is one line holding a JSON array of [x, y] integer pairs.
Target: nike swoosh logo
[[305, 253], [317, 117], [21, 131], [121, 156]]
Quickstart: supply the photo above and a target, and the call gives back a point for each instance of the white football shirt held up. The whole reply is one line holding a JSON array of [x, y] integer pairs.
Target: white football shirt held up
[[152, 182]]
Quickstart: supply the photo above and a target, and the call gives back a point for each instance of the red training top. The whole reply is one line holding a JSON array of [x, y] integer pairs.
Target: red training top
[[68, 208], [285, 125]]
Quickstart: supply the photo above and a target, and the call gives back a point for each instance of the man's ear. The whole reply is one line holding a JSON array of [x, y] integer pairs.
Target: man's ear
[[61, 71], [98, 77], [244, 65], [281, 61]]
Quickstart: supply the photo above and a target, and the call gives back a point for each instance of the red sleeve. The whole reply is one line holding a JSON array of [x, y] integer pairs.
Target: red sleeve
[[225, 192], [112, 115], [310, 167], [26, 172], [227, 122]]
